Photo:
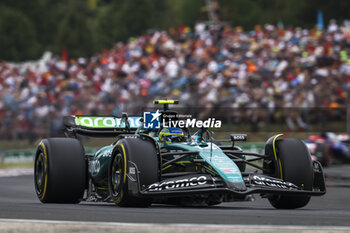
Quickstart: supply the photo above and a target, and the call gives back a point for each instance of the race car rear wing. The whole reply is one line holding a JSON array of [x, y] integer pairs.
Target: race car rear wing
[[101, 126], [106, 126]]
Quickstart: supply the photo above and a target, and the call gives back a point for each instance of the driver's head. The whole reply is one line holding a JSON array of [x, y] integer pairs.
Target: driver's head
[[171, 135]]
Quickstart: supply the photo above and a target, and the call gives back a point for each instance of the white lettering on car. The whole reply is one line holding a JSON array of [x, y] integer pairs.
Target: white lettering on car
[[96, 120], [94, 166], [173, 184], [264, 181], [109, 122]]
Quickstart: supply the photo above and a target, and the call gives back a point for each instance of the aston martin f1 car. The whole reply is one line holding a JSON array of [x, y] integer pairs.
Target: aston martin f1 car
[[170, 166]]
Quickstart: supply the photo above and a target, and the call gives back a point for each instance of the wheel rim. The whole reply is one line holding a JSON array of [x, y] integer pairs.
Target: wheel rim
[[40, 173], [117, 172]]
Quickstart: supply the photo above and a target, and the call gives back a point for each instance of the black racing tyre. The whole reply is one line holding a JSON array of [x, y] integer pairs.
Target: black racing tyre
[[60, 171], [142, 153], [294, 166]]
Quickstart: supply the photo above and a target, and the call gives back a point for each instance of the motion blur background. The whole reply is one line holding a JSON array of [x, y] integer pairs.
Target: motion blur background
[[261, 66]]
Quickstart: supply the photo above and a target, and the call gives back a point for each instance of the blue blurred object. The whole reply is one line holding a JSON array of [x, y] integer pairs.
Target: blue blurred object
[[295, 82], [320, 23], [329, 148]]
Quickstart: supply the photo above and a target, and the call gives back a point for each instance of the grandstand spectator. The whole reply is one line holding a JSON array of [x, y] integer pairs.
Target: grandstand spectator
[[268, 67]]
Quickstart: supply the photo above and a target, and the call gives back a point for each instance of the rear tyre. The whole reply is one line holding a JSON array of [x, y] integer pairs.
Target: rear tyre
[[144, 155], [294, 166], [60, 171]]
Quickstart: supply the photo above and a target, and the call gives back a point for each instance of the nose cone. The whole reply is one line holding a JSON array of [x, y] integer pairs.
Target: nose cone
[[239, 186]]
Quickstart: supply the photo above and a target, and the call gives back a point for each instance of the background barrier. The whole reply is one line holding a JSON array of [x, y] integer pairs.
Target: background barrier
[[27, 155]]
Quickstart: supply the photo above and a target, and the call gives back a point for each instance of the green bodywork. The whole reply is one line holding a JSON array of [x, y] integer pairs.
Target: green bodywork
[[98, 168], [215, 159], [213, 156]]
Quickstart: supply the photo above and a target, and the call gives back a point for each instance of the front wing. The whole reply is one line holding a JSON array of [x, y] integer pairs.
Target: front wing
[[198, 183]]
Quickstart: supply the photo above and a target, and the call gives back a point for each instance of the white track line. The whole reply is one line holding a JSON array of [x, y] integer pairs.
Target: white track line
[[240, 226], [10, 172]]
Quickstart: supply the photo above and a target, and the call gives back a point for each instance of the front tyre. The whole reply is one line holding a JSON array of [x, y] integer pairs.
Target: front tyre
[[143, 154], [60, 171], [294, 165]]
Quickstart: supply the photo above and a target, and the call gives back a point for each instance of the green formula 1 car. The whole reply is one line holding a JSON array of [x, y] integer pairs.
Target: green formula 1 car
[[169, 165]]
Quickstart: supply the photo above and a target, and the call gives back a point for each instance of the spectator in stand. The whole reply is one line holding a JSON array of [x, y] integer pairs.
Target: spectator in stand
[[215, 66]]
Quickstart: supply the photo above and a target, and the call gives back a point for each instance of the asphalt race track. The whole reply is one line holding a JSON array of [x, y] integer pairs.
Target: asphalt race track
[[18, 201]]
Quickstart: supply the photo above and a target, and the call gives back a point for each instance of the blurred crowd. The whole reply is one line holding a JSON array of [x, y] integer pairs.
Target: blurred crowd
[[216, 67]]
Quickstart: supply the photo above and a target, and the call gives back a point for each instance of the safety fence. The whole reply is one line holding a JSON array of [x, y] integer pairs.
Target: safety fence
[[27, 155]]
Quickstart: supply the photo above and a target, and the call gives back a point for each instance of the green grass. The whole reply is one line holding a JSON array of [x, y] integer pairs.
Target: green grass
[[16, 165]]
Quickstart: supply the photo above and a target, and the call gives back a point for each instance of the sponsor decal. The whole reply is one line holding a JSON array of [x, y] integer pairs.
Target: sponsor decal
[[94, 166], [152, 120], [132, 170], [106, 122], [107, 153], [131, 136], [228, 170], [239, 137], [179, 183], [271, 182]]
